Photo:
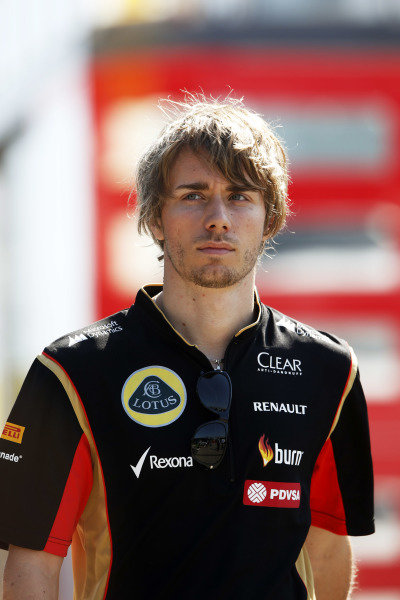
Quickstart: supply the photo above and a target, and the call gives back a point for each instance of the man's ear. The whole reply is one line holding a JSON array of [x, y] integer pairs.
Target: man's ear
[[157, 229], [266, 234]]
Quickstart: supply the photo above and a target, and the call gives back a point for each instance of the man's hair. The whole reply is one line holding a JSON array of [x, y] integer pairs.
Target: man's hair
[[237, 141]]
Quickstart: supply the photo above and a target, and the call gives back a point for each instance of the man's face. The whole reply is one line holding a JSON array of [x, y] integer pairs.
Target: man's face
[[212, 230]]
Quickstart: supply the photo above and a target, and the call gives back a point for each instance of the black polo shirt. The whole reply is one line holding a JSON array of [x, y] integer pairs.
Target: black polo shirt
[[97, 450]]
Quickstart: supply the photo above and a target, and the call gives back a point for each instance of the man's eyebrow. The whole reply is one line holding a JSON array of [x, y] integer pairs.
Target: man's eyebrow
[[242, 188], [196, 185], [202, 186]]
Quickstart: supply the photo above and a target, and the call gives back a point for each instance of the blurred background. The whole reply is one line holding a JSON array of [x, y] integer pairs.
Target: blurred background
[[79, 85]]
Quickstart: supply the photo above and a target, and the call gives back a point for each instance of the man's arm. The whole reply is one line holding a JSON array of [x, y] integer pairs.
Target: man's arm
[[31, 575], [331, 560]]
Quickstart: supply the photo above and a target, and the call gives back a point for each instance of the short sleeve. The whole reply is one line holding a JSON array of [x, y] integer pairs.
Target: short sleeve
[[342, 483], [45, 467]]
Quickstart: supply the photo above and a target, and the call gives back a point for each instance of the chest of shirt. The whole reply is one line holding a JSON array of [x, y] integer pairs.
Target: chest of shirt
[[144, 410]]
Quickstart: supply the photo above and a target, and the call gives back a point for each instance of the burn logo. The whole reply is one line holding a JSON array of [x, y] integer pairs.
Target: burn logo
[[266, 451], [285, 456], [154, 396]]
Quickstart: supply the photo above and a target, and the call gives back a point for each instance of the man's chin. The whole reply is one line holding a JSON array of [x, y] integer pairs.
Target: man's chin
[[214, 277]]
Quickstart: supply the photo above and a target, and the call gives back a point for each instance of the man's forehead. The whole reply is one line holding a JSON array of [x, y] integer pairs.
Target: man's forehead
[[188, 159], [194, 170]]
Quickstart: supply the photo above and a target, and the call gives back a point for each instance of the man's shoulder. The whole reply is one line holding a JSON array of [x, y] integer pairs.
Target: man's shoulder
[[288, 329], [91, 338]]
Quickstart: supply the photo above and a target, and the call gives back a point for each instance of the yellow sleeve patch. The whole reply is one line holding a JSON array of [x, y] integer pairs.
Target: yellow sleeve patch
[[13, 433]]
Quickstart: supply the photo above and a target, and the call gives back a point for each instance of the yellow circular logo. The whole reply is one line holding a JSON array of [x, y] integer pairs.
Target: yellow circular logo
[[154, 396]]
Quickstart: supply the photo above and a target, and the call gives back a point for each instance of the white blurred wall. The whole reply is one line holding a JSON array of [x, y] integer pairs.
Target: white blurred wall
[[46, 195], [47, 205]]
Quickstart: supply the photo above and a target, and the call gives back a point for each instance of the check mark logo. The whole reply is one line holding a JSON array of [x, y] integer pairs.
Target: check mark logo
[[139, 465]]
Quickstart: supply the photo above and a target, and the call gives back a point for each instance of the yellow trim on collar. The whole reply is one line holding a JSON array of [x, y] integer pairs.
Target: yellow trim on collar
[[258, 318], [177, 332], [163, 314]]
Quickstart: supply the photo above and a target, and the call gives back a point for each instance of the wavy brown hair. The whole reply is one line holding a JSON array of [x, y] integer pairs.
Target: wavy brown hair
[[238, 142]]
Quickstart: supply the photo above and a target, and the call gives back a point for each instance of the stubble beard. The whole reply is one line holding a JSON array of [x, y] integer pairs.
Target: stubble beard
[[215, 274]]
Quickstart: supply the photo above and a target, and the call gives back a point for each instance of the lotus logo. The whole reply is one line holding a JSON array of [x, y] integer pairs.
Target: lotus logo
[[154, 396], [152, 389]]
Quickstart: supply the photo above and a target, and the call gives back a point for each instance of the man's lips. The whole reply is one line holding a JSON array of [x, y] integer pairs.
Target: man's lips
[[215, 248]]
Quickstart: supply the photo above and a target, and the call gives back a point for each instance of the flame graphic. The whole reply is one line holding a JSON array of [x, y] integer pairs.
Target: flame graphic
[[265, 450]]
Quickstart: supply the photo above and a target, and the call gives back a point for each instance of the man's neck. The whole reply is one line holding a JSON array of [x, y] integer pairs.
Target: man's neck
[[208, 317]]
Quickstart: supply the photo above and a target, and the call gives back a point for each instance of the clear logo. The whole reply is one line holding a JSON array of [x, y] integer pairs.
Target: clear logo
[[278, 365]]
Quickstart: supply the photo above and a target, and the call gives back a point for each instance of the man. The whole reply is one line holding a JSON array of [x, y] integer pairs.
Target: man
[[188, 443]]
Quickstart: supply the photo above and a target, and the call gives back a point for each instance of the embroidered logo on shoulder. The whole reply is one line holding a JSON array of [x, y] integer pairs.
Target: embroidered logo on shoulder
[[97, 330], [277, 494], [74, 339], [13, 433], [154, 396], [301, 329]]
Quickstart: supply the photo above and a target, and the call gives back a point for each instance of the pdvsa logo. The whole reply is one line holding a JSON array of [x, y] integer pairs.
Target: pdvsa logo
[[271, 493], [280, 455], [154, 396]]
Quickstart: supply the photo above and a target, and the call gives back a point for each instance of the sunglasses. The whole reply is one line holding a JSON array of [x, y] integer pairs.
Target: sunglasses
[[209, 441]]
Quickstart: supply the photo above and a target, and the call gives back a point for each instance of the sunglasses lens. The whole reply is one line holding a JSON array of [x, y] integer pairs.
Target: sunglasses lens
[[214, 391], [209, 443]]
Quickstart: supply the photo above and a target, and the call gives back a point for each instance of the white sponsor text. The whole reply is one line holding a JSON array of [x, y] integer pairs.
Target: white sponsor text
[[286, 456], [173, 462], [278, 364], [298, 409]]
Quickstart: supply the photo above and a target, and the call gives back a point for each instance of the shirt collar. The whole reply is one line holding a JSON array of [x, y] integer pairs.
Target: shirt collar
[[145, 301]]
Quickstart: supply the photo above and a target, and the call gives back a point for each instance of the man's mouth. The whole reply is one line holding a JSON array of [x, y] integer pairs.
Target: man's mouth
[[217, 248]]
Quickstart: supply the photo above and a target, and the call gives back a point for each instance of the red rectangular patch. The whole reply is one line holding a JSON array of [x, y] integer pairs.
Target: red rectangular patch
[[271, 493]]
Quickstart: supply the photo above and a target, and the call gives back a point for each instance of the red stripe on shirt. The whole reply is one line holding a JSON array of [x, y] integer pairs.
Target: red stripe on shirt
[[75, 496], [327, 510], [101, 470]]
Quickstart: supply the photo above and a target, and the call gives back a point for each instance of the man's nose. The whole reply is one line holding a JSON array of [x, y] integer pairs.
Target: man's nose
[[217, 215]]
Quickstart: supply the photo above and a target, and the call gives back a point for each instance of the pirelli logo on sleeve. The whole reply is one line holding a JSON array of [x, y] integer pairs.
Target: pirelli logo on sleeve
[[13, 432]]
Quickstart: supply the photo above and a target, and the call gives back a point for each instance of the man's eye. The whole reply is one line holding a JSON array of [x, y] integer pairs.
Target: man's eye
[[238, 198], [192, 196]]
